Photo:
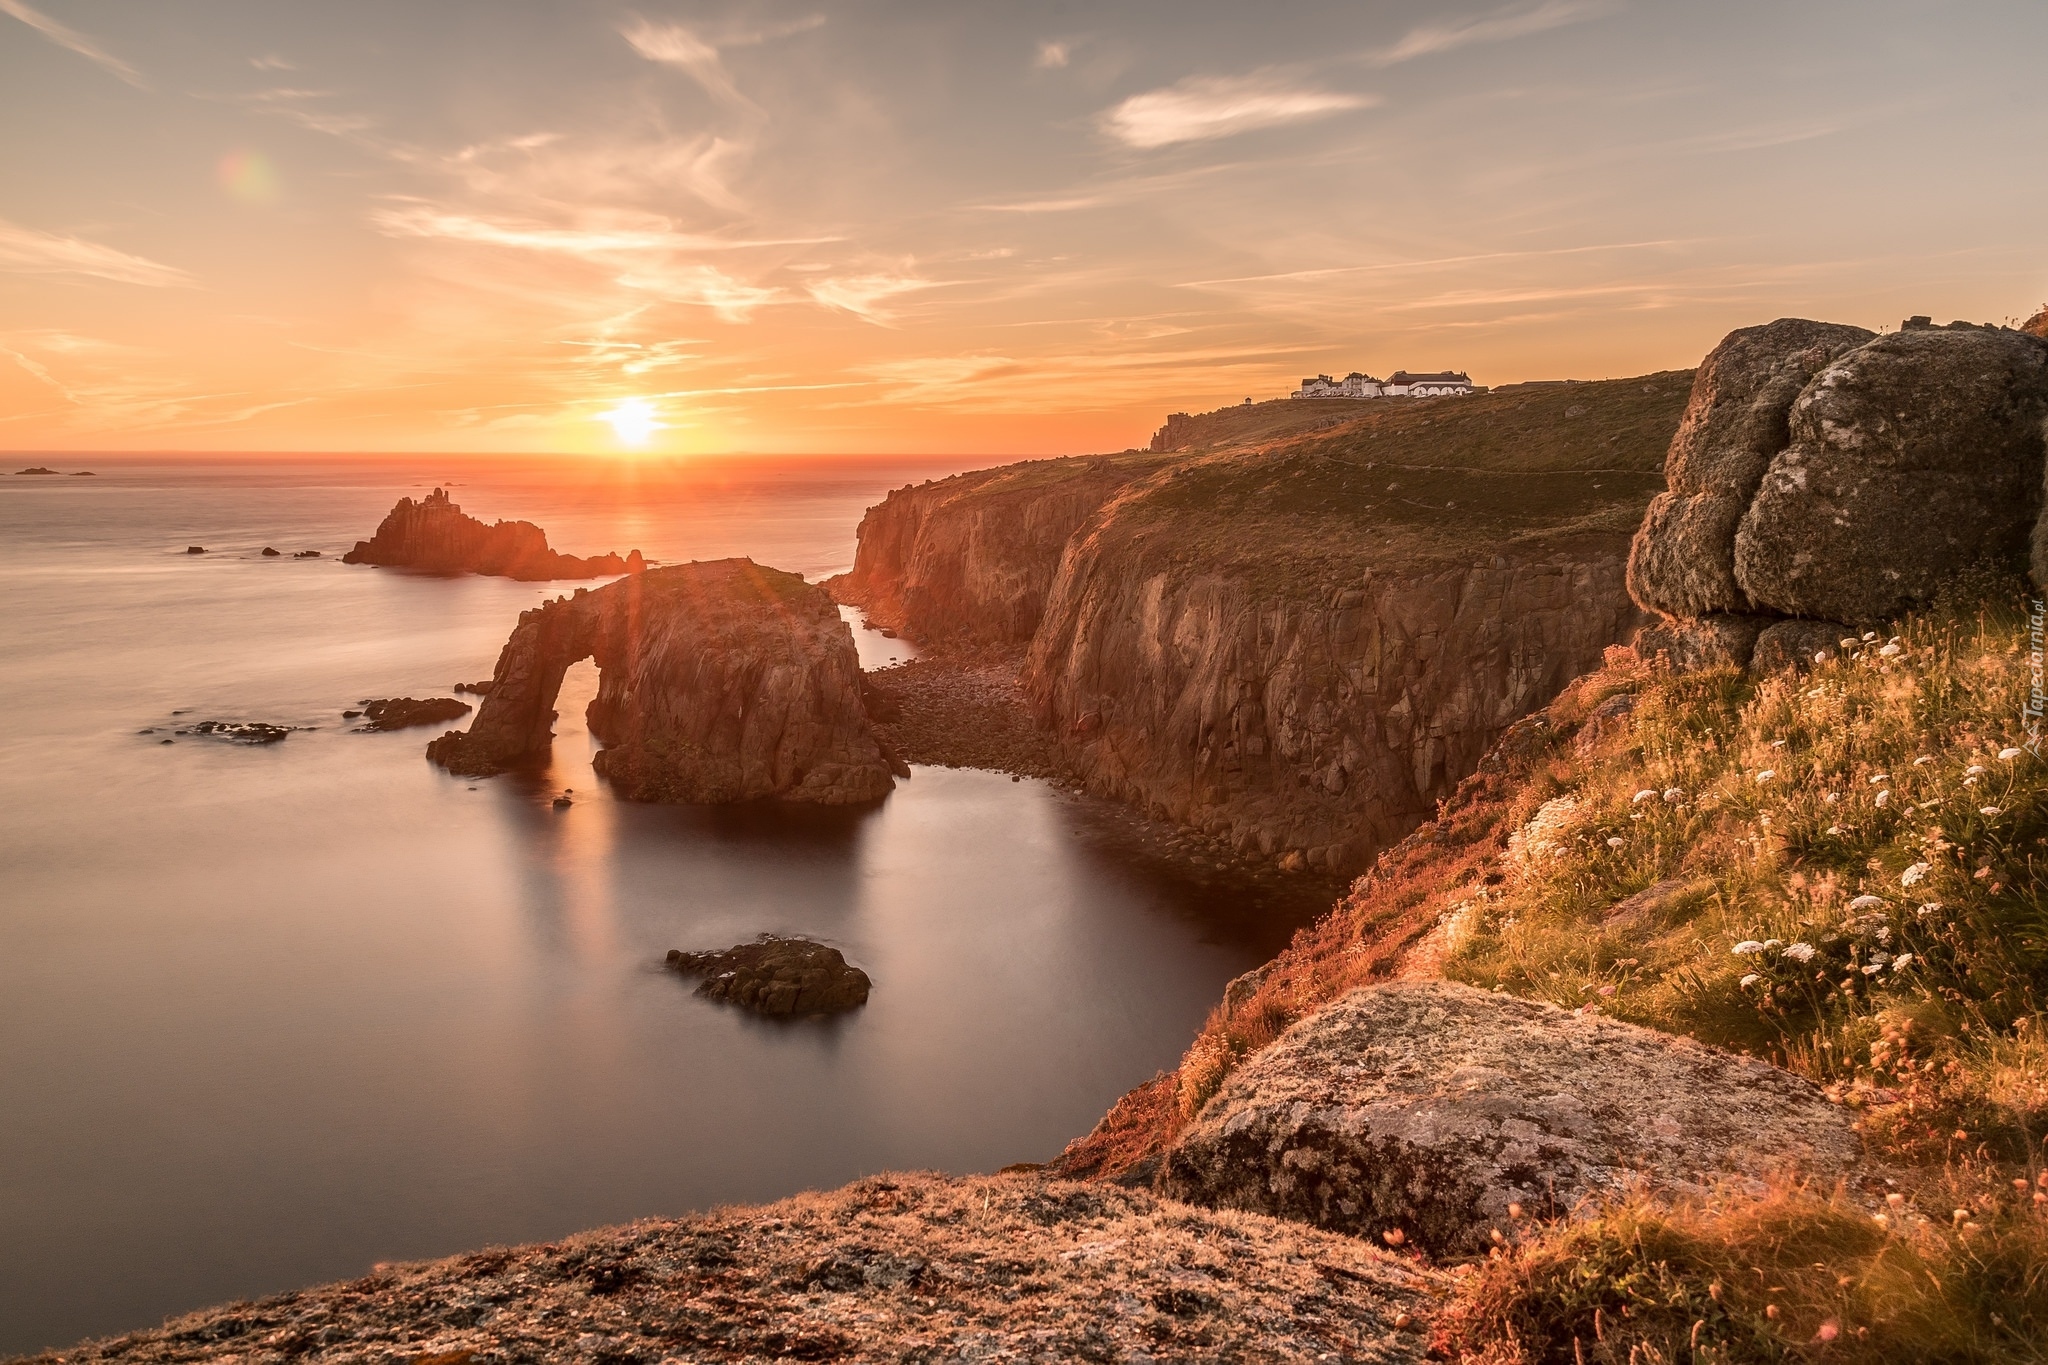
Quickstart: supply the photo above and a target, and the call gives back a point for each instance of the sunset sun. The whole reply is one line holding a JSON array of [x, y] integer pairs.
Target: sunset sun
[[633, 421]]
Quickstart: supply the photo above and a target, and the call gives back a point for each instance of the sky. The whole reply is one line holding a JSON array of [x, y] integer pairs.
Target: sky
[[939, 226]]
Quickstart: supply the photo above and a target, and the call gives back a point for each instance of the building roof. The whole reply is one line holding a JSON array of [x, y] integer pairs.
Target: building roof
[[1440, 377]]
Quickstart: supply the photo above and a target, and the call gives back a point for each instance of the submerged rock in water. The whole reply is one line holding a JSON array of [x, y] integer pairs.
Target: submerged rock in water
[[475, 689], [1430, 1107], [242, 732], [306, 554], [434, 535], [777, 976], [270, 552], [195, 549], [396, 713], [717, 682]]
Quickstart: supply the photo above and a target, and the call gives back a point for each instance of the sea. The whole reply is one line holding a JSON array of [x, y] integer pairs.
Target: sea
[[271, 1015]]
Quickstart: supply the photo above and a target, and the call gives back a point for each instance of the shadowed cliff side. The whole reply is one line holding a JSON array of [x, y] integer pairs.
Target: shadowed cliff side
[[434, 535], [719, 681], [1298, 647], [970, 559]]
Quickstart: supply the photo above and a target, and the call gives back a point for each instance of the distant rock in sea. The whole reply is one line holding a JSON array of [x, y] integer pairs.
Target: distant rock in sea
[[83, 474], [271, 553], [242, 732], [306, 554], [717, 682], [780, 977], [397, 713], [195, 549], [475, 689], [35, 469], [435, 536]]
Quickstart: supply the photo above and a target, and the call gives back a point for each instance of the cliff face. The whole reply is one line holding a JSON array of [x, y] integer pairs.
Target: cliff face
[[972, 558], [720, 681], [435, 536]]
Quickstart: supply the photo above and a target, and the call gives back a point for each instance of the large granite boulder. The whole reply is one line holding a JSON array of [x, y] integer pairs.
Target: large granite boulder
[[434, 535], [717, 682], [778, 977], [1683, 560], [1911, 457], [1430, 1108]]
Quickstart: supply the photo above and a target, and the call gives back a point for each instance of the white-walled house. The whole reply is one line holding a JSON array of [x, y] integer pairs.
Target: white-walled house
[[1400, 385]]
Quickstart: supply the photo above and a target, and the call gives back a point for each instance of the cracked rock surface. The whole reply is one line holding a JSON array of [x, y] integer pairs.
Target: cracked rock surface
[[892, 1268], [1430, 1107]]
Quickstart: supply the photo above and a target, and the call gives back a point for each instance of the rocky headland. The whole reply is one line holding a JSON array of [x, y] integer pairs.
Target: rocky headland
[[719, 681], [434, 535], [1296, 646]]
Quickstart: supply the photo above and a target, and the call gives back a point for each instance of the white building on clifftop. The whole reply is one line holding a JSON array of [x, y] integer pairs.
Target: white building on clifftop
[[1401, 384]]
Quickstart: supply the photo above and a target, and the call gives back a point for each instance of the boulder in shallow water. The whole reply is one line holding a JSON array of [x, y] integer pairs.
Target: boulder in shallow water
[[1430, 1107], [779, 977], [397, 713]]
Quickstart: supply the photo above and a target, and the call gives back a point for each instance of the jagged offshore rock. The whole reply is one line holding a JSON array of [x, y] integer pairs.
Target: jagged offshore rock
[[399, 713], [435, 536], [717, 682], [779, 977]]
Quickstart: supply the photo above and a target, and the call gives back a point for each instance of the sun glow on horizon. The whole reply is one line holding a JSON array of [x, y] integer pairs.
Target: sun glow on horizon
[[633, 421]]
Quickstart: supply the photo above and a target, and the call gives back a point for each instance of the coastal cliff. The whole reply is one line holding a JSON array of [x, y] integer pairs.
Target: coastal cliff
[[717, 682], [434, 535], [1299, 647]]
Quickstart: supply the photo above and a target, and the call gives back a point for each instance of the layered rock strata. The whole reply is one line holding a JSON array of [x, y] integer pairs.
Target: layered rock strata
[[895, 1268], [1297, 648], [434, 535], [1430, 1108], [1827, 475], [717, 682], [972, 558]]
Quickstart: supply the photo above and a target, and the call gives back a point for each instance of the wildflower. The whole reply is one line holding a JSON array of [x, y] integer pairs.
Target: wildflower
[[1895, 1200], [1873, 968], [1615, 843], [1869, 637], [1641, 796], [1767, 774], [1987, 811], [1827, 1332], [1969, 782], [1674, 794], [1820, 656], [1913, 875], [1923, 760], [1884, 798], [1974, 769], [1747, 947], [1778, 744], [1866, 903], [1932, 907], [1834, 829], [1607, 990], [1393, 1237], [1800, 952], [1899, 962], [1774, 943], [1749, 981], [2008, 755], [1849, 642], [1890, 652], [1877, 778], [1829, 798]]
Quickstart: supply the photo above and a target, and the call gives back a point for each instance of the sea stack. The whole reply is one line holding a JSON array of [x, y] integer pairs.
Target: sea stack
[[434, 535], [718, 682]]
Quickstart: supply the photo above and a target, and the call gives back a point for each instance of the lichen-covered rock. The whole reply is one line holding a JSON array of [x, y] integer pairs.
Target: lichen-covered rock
[[1913, 457], [717, 682], [1717, 641], [1430, 1107], [434, 535], [779, 977], [893, 1268], [1795, 646], [1682, 561]]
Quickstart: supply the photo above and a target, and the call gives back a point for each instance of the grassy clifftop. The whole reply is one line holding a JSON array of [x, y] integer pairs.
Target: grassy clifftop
[[1843, 870]]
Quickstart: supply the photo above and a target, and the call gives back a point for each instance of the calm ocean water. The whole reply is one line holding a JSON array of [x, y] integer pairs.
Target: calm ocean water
[[271, 1015]]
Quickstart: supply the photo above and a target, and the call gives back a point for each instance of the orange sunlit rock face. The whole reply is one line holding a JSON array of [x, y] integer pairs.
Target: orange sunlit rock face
[[680, 231]]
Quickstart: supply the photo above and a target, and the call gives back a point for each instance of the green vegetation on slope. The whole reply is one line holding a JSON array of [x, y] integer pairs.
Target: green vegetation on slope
[[1844, 870]]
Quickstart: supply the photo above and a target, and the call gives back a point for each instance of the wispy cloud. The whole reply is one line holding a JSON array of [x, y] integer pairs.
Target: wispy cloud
[[862, 295], [1051, 56], [641, 233], [1513, 22], [1204, 107], [66, 37], [28, 252], [273, 62], [690, 51]]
